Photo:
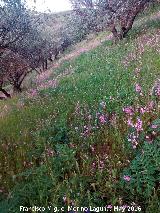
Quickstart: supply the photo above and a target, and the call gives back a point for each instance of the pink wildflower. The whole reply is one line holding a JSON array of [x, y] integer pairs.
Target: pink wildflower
[[86, 132], [149, 139], [93, 165], [64, 199], [154, 126], [92, 148], [127, 178], [142, 110], [138, 88], [102, 119], [134, 145], [153, 133], [49, 152], [129, 122], [133, 139], [101, 165], [128, 110], [138, 125]]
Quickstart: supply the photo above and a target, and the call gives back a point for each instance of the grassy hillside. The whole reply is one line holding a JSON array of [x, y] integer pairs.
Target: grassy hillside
[[91, 136]]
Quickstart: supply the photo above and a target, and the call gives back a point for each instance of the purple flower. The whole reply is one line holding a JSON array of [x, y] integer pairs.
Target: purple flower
[[128, 110], [138, 125], [127, 178], [133, 139]]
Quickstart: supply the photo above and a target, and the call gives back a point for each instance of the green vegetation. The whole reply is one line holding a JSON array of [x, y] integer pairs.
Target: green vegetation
[[93, 140]]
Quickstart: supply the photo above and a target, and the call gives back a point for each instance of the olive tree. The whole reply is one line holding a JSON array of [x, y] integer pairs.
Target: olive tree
[[22, 48], [109, 13], [15, 23]]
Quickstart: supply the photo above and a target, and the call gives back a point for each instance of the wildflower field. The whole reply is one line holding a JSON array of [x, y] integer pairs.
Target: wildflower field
[[87, 133]]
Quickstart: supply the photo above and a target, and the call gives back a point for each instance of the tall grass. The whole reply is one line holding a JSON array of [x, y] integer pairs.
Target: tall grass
[[74, 144]]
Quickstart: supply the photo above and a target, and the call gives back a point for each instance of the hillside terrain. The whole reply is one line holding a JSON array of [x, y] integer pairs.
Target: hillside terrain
[[87, 130]]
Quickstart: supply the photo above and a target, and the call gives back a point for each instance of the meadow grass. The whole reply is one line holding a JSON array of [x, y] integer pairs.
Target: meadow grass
[[73, 145]]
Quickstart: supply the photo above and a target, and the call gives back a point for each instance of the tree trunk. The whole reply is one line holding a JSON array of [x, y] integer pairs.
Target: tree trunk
[[123, 25], [5, 93], [46, 64], [129, 26], [43, 66], [114, 31], [127, 23], [50, 58], [17, 88], [56, 54], [2, 98]]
